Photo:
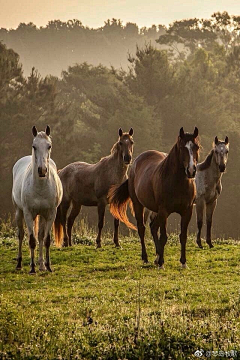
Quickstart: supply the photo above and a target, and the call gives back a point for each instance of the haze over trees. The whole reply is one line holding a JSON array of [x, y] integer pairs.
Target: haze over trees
[[195, 82], [59, 44]]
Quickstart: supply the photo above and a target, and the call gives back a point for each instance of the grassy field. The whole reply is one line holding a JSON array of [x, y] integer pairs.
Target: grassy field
[[105, 304]]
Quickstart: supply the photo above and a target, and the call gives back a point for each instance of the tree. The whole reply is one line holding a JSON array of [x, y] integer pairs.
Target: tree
[[151, 74]]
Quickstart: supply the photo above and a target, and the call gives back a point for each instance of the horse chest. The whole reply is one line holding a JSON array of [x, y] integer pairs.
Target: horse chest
[[41, 201], [179, 199], [211, 194]]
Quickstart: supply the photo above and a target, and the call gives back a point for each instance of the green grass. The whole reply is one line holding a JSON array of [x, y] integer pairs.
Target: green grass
[[105, 304]]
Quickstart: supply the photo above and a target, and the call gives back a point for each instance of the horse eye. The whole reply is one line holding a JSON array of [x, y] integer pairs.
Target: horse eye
[[49, 147]]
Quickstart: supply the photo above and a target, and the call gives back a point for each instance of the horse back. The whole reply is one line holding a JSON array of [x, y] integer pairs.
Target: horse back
[[87, 183]]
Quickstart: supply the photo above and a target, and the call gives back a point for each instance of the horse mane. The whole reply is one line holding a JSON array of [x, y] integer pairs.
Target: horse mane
[[207, 162], [114, 149], [168, 165], [171, 162]]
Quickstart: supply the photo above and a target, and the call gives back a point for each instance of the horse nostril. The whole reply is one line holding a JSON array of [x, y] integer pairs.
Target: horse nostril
[[222, 168], [42, 172], [127, 158]]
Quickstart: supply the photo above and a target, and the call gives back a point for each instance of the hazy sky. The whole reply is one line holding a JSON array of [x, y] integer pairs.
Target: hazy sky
[[93, 13]]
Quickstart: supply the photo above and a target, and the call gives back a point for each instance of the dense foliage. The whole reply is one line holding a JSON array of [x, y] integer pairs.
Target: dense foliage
[[160, 92]]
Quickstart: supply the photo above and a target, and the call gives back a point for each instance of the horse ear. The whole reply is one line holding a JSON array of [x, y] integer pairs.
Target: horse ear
[[216, 140], [34, 131], [120, 132], [195, 134], [47, 131], [131, 132], [181, 133], [226, 140]]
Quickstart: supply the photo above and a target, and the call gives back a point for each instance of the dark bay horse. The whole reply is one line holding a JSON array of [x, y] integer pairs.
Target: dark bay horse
[[163, 184], [209, 185], [88, 185]]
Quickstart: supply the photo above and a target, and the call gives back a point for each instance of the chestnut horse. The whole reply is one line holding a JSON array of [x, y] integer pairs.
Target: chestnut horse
[[163, 184], [209, 185], [88, 185]]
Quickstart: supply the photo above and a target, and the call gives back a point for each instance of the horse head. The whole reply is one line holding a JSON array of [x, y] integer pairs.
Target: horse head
[[125, 145], [188, 148], [221, 149], [41, 150]]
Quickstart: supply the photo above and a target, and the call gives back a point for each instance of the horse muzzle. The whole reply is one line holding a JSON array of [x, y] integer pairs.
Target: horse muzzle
[[127, 159], [42, 172], [191, 174], [222, 168]]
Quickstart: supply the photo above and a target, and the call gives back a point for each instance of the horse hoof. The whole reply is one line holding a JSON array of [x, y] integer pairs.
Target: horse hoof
[[18, 268], [48, 268], [184, 266], [42, 268], [210, 246], [145, 261], [161, 267], [199, 245], [32, 272], [98, 246], [156, 260]]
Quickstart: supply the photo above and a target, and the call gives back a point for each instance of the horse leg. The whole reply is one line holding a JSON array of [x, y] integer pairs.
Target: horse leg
[[19, 221], [160, 220], [199, 211], [146, 215], [115, 236], [47, 247], [47, 238], [138, 210], [64, 209], [101, 213], [32, 240], [209, 213], [154, 226], [71, 218], [40, 240], [185, 219]]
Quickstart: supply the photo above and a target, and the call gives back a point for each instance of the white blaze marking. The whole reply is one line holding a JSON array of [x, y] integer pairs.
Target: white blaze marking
[[189, 146]]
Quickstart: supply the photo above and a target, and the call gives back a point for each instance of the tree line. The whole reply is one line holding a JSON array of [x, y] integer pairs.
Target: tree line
[[161, 91], [59, 44]]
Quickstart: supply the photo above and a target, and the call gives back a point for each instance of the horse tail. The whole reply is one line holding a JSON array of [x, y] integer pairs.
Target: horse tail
[[58, 228], [119, 199]]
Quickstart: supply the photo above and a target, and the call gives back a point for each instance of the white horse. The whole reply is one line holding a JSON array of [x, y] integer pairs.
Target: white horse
[[209, 186], [37, 190]]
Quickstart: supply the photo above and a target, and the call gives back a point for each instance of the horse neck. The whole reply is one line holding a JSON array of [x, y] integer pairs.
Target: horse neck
[[214, 171], [173, 165], [118, 165]]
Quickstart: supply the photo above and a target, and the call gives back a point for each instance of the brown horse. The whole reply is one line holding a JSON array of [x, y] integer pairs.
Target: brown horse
[[88, 185], [163, 184]]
